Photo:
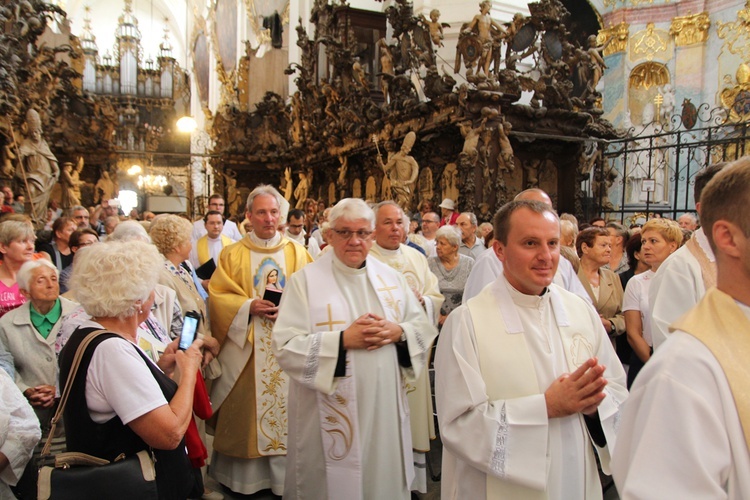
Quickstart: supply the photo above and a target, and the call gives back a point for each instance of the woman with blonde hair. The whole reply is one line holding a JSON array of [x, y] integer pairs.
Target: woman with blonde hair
[[659, 239], [16, 248], [171, 235]]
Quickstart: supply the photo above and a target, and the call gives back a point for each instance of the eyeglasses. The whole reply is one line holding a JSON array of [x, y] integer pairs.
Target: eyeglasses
[[347, 234], [428, 220]]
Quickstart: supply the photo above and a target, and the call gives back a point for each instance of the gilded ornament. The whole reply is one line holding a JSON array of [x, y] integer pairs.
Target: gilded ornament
[[691, 29], [649, 42], [736, 99], [649, 74], [736, 35], [619, 36]]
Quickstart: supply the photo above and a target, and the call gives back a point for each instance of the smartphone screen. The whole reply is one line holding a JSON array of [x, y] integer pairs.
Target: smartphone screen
[[189, 328]]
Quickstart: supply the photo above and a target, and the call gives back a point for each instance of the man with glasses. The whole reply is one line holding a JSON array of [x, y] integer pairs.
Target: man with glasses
[[295, 230], [349, 334], [430, 225], [215, 202]]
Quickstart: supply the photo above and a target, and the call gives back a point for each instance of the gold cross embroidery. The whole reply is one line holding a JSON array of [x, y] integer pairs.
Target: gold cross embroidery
[[330, 321], [390, 300]]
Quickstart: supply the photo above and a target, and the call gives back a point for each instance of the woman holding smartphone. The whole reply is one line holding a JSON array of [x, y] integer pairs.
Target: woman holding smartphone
[[171, 236], [121, 402]]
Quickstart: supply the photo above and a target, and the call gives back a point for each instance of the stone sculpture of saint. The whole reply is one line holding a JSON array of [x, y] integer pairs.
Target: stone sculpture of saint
[[287, 186], [39, 169], [104, 189], [402, 170], [300, 193], [71, 183]]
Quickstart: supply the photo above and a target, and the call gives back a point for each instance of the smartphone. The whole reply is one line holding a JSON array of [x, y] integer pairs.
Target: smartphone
[[189, 329]]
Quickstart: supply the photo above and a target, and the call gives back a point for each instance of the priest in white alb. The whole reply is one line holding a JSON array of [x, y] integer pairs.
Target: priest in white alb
[[682, 280], [685, 431], [412, 265], [528, 386], [250, 397], [350, 335]]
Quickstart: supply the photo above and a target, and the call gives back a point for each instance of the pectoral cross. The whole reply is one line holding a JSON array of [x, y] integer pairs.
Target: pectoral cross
[[330, 323], [391, 300]]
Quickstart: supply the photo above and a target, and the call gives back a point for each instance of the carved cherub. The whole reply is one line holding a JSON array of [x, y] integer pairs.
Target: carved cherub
[[435, 28]]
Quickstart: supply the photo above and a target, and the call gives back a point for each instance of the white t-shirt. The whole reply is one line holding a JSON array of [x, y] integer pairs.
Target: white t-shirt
[[636, 299], [118, 383]]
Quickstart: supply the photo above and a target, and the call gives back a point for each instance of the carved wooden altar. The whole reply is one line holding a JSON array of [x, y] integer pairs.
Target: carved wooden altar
[[472, 135]]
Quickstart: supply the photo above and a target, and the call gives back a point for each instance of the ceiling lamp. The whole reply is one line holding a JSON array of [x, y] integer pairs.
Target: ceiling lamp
[[186, 124]]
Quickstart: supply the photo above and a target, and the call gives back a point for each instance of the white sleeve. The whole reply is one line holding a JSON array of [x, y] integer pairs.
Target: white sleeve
[[118, 382], [676, 288], [631, 299], [674, 439], [504, 438], [19, 430], [486, 268], [233, 232]]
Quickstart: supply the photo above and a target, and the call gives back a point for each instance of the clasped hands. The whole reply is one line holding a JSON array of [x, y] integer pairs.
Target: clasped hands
[[579, 392], [371, 332]]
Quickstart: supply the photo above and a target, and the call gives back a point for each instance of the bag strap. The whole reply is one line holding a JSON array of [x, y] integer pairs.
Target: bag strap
[[69, 386]]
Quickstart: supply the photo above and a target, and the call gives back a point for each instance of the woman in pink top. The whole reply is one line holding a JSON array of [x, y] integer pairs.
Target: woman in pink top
[[16, 247]]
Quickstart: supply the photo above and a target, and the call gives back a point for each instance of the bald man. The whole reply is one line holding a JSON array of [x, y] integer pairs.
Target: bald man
[[488, 267]]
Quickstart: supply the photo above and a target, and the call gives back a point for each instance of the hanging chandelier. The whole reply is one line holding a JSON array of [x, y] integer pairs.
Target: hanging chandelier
[[152, 183]]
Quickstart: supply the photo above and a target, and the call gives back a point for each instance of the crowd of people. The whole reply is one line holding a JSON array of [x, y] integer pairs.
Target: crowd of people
[[315, 328]]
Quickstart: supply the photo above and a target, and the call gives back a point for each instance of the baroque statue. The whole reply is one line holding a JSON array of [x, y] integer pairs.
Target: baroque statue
[[402, 170], [39, 169]]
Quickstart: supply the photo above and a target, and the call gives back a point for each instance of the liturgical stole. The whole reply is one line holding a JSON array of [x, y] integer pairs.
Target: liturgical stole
[[338, 411], [724, 329], [508, 369], [202, 248], [708, 268]]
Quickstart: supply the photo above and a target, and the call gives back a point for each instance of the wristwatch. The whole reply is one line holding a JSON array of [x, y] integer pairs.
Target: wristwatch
[[612, 329]]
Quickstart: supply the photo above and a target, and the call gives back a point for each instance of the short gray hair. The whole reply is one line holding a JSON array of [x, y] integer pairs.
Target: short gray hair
[[26, 272], [386, 203], [472, 218], [351, 209], [260, 190], [114, 279], [129, 230], [450, 234]]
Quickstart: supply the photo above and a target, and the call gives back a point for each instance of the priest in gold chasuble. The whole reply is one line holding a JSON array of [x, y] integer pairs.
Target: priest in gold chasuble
[[250, 396]]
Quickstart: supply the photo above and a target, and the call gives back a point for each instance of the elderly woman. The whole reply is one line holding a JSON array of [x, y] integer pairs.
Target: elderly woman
[[659, 239], [171, 236], [120, 401], [594, 247], [17, 247], [28, 333], [451, 268], [59, 249]]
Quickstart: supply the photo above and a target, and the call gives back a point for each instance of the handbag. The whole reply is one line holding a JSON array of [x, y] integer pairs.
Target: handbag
[[73, 475]]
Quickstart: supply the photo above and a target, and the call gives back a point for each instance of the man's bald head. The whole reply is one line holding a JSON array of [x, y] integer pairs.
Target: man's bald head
[[534, 194]]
